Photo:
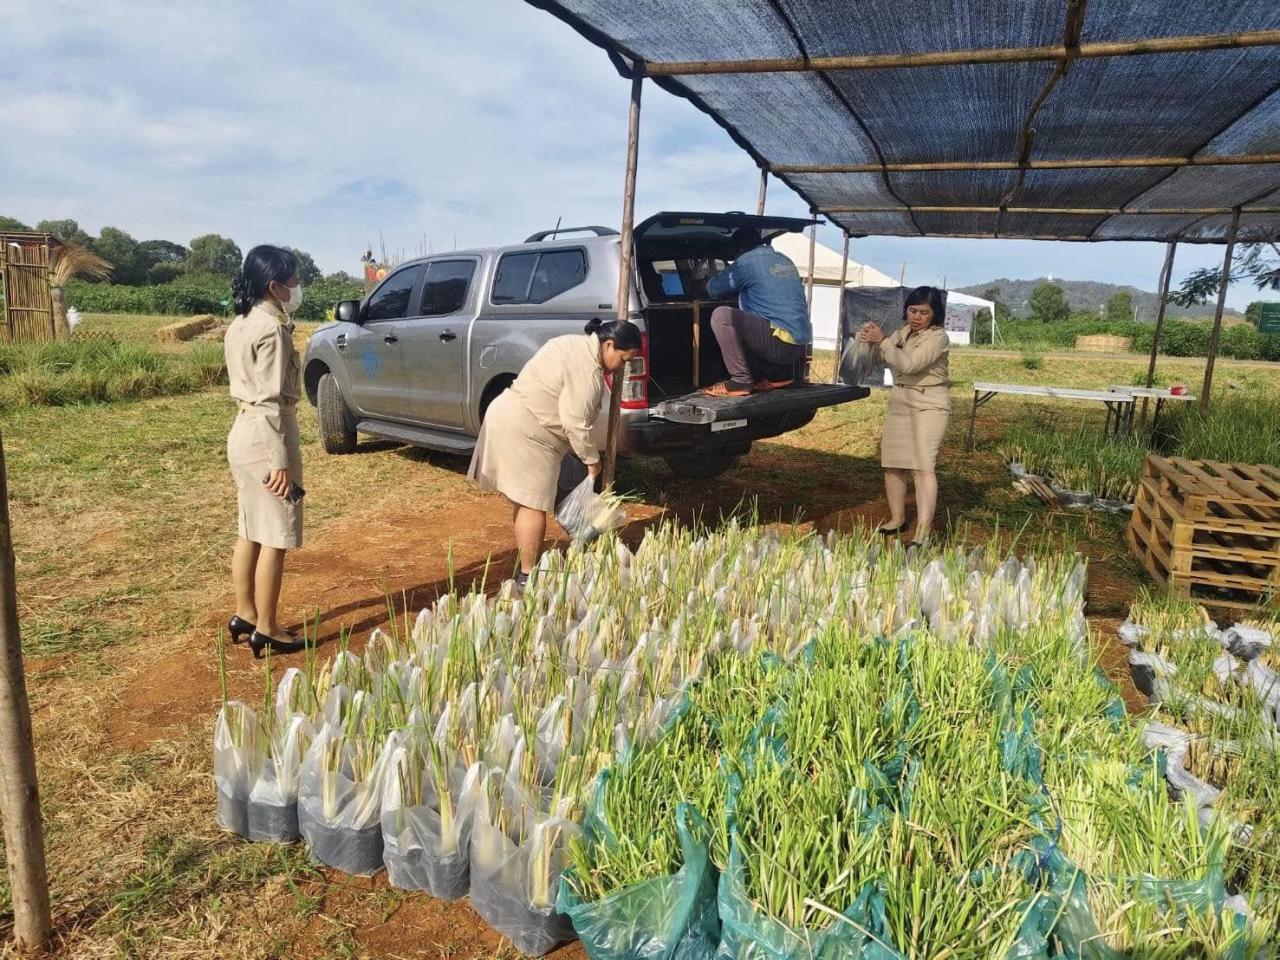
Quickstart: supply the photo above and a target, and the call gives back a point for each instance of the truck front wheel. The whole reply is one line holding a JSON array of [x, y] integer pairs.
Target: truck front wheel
[[337, 426], [702, 466]]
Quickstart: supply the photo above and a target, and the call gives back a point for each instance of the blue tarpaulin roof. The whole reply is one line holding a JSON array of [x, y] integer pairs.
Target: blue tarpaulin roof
[[1045, 119]]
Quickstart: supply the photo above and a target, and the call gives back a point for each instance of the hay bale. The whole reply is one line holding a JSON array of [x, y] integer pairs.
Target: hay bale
[[1104, 343], [187, 329]]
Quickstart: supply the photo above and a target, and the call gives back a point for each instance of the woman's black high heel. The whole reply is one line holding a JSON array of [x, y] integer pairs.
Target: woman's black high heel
[[239, 628], [259, 642], [892, 531]]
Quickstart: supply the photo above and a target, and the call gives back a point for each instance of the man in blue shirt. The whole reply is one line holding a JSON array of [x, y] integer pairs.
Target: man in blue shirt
[[765, 338]]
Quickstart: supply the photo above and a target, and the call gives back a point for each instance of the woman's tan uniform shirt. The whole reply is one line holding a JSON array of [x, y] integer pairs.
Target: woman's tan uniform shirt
[[547, 412], [920, 401], [266, 382]]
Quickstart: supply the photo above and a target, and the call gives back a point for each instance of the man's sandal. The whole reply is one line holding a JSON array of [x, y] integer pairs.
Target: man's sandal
[[726, 389], [764, 386]]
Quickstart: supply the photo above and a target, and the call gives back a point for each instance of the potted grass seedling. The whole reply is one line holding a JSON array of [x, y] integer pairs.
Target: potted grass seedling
[[427, 806], [340, 790], [237, 753]]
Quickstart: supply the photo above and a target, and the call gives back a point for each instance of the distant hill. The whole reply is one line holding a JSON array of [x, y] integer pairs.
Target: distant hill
[[1088, 295]]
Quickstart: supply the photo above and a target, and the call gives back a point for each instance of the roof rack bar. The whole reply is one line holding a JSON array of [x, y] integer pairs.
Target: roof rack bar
[[1060, 211], [1090, 163], [943, 58]]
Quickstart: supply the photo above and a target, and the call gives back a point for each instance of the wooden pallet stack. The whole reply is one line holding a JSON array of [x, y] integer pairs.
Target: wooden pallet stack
[[1210, 530]]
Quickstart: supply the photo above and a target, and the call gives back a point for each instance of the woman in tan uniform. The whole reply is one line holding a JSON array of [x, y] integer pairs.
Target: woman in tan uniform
[[918, 410], [264, 448], [547, 412]]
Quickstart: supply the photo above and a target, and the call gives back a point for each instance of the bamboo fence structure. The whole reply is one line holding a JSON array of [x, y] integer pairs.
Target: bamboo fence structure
[[25, 263]]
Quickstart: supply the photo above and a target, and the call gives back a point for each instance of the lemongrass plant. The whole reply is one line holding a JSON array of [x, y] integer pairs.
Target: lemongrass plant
[[1150, 869]]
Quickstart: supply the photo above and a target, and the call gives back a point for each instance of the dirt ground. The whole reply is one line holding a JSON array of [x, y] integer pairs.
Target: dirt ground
[[408, 554]]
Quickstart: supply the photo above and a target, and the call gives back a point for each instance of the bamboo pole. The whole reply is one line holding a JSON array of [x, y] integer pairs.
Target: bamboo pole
[[19, 790], [813, 250], [945, 58], [840, 334], [764, 190], [1166, 274], [1091, 163], [1216, 335], [1058, 211], [624, 269]]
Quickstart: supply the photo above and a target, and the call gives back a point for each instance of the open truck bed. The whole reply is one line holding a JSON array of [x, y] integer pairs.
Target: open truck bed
[[726, 426]]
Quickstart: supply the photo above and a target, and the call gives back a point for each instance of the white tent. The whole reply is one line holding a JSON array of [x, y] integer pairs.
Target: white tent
[[826, 289]]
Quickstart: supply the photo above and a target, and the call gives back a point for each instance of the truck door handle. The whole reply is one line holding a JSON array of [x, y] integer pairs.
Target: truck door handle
[[390, 338], [341, 341], [447, 335]]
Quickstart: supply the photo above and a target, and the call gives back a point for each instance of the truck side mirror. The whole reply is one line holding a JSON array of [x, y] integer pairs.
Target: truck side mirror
[[347, 311]]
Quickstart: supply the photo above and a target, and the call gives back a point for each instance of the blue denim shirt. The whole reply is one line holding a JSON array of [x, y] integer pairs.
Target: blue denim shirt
[[768, 284]]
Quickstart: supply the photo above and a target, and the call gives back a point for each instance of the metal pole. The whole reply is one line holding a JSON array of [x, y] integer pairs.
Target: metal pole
[[20, 794], [764, 190], [624, 268], [1216, 335], [1166, 274], [844, 276], [813, 251]]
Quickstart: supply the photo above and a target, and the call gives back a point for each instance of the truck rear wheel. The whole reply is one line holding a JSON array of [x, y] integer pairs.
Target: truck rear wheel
[[702, 466], [337, 426]]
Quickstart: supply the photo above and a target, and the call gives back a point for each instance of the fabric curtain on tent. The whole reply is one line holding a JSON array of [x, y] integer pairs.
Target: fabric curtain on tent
[[1024, 118]]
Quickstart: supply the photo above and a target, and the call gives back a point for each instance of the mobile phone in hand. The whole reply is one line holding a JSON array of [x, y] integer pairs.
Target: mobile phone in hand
[[295, 494]]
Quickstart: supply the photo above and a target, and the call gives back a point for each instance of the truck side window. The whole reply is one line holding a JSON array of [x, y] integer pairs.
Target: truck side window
[[511, 285], [537, 277], [557, 271], [391, 300], [445, 291]]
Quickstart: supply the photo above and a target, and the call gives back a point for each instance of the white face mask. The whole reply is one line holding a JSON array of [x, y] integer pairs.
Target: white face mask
[[294, 302]]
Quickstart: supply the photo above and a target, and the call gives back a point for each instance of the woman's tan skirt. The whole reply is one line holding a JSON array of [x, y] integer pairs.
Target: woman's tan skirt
[[517, 456], [264, 518], [914, 424]]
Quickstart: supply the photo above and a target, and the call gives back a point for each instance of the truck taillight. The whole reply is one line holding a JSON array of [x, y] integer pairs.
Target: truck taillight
[[635, 384]]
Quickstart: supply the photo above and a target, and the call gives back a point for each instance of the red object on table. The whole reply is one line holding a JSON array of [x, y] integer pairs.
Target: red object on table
[[1178, 390]]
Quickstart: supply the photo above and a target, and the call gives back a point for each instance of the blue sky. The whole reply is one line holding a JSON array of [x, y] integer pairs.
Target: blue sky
[[425, 122]]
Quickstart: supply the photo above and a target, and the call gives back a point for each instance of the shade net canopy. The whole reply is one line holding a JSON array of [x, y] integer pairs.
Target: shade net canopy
[[1083, 120]]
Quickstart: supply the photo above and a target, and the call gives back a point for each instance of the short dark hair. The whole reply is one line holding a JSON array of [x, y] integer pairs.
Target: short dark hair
[[262, 264], [624, 334], [935, 298], [747, 238]]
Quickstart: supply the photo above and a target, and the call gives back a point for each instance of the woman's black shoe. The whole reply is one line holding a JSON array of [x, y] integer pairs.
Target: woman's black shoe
[[892, 531], [260, 642], [239, 628]]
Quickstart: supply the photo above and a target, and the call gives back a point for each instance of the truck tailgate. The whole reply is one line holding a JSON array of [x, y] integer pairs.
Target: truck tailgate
[[700, 408]]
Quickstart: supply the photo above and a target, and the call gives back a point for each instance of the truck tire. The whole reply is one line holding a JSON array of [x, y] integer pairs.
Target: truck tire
[[702, 466], [337, 426]]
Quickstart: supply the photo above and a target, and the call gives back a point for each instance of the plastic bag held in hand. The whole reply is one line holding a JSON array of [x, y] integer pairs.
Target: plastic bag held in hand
[[585, 515]]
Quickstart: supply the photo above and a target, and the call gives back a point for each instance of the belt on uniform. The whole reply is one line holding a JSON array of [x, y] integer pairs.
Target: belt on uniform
[[290, 410]]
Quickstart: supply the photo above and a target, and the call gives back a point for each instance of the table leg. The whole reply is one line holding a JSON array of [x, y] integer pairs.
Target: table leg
[[1155, 416]]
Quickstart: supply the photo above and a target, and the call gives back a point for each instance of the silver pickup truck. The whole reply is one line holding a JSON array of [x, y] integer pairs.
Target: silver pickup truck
[[421, 358]]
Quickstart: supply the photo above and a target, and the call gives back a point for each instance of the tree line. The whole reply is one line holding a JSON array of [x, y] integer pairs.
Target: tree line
[[137, 263]]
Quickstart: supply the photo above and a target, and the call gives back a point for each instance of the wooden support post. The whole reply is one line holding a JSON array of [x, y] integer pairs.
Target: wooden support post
[[19, 792], [813, 251], [697, 344], [1166, 274], [844, 277], [625, 268], [1216, 335], [764, 191]]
